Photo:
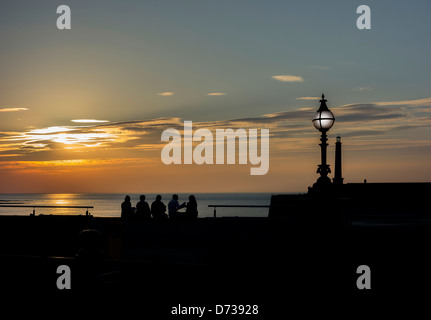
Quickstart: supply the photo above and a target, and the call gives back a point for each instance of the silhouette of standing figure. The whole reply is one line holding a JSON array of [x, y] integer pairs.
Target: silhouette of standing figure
[[192, 208], [174, 206], [126, 208], [143, 209], [158, 208]]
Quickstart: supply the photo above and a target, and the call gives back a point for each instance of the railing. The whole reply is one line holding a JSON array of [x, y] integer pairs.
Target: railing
[[34, 207], [215, 206]]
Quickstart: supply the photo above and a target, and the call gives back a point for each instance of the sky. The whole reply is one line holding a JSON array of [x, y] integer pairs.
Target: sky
[[83, 110]]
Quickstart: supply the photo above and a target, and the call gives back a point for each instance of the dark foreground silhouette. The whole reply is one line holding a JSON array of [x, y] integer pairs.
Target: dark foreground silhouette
[[311, 254]]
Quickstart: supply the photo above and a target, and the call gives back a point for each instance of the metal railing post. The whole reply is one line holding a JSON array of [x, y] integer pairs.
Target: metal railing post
[[235, 206]]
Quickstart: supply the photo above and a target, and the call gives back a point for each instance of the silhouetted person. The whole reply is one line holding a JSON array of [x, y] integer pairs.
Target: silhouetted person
[[174, 206], [143, 209], [158, 208], [126, 208], [192, 208]]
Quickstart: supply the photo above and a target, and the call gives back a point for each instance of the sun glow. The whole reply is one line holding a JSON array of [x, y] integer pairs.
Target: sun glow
[[79, 136], [51, 130], [86, 139]]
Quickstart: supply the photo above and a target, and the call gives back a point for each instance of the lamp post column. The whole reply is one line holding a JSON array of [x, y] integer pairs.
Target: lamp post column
[[323, 121], [323, 168]]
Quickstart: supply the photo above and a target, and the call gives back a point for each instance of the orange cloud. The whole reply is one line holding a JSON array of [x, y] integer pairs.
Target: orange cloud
[[13, 109], [288, 78], [166, 93]]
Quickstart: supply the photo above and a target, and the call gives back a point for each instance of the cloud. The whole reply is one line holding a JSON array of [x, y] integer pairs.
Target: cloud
[[366, 112], [384, 110], [89, 121], [216, 94], [290, 129], [278, 117], [362, 133], [13, 109], [57, 163], [416, 103], [56, 137], [133, 134], [308, 98], [363, 89], [288, 78], [407, 127], [368, 117], [166, 93], [50, 130]]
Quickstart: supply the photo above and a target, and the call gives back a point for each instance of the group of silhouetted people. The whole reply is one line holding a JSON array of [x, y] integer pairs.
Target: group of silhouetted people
[[158, 209]]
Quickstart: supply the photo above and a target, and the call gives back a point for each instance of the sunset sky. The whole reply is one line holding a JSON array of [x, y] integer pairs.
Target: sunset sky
[[83, 110]]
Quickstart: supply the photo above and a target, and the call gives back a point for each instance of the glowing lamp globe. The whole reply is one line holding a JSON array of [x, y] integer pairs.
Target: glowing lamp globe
[[323, 119]]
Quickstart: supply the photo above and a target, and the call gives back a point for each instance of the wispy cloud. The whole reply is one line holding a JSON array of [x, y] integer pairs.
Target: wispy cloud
[[216, 94], [415, 103], [290, 129], [362, 133], [51, 138], [42, 165], [55, 129], [126, 134], [89, 121], [166, 93], [366, 112], [288, 78], [13, 109], [363, 89], [308, 98]]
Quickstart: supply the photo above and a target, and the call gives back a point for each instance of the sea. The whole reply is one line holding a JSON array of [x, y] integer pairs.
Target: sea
[[109, 204]]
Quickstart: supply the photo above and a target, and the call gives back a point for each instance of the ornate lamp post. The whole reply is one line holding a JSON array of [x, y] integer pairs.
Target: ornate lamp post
[[323, 121]]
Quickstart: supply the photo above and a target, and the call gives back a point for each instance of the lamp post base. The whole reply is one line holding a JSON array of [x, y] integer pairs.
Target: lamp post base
[[323, 181], [323, 186]]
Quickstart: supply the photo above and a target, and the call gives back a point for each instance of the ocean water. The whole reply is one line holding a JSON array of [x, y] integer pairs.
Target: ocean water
[[108, 205]]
